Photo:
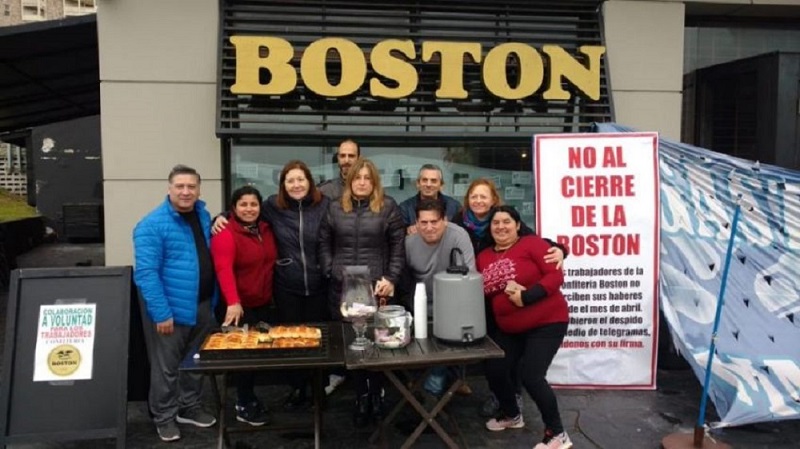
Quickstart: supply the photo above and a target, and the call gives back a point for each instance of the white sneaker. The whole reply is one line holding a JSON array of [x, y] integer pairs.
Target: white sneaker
[[334, 380], [560, 441]]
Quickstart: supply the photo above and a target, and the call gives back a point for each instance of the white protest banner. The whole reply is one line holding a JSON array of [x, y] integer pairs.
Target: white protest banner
[[598, 195], [65, 342]]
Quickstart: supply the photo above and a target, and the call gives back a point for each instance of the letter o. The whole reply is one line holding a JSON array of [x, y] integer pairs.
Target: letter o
[[314, 73], [531, 71]]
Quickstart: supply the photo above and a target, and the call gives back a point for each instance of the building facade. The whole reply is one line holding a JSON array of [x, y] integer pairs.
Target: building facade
[[168, 90]]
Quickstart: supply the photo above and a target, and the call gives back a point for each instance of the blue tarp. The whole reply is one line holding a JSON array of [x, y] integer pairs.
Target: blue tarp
[[756, 369]]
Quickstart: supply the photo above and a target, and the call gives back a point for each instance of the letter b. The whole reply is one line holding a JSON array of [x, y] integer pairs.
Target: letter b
[[249, 63]]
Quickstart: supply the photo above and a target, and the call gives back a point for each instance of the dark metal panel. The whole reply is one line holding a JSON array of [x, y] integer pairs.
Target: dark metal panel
[[69, 173], [302, 115]]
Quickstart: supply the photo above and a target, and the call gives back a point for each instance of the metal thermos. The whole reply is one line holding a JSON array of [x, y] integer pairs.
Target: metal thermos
[[459, 315]]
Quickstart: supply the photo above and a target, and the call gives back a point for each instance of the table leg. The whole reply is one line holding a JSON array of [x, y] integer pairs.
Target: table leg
[[414, 386], [428, 418], [222, 393], [316, 391]]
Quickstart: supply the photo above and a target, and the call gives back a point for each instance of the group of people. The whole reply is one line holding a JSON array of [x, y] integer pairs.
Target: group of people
[[282, 260]]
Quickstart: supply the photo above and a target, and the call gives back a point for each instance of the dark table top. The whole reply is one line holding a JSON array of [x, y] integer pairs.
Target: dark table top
[[333, 356], [419, 353]]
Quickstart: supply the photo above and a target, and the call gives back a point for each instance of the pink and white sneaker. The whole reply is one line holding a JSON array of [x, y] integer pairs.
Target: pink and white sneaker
[[503, 423], [550, 441]]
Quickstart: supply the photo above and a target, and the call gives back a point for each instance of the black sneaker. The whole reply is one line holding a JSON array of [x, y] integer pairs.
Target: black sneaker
[[253, 413], [297, 400], [168, 431], [197, 417]]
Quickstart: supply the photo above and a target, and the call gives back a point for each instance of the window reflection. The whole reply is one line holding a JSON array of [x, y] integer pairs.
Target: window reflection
[[509, 168]]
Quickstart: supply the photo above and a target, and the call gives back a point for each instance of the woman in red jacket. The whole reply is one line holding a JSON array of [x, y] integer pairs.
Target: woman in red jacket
[[532, 317], [244, 257]]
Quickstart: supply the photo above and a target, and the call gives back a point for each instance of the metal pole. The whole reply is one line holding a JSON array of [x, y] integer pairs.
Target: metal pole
[[698, 430]]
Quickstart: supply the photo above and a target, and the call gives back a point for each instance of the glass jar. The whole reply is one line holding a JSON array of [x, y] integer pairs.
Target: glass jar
[[392, 327]]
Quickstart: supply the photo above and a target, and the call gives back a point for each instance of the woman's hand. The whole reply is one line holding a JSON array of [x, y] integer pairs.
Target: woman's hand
[[219, 224], [554, 255], [384, 288], [233, 315], [514, 292]]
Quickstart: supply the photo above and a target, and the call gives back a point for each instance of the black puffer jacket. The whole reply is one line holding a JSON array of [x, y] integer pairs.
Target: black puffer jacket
[[297, 269], [362, 237]]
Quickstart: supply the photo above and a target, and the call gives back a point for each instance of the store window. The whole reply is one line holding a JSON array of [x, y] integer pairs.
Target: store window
[[79, 7], [509, 167], [33, 10]]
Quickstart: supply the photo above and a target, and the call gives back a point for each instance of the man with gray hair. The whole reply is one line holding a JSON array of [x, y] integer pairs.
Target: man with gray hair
[[175, 278], [429, 184]]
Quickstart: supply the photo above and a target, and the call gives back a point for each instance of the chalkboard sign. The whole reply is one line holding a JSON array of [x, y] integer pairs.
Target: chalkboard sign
[[66, 350]]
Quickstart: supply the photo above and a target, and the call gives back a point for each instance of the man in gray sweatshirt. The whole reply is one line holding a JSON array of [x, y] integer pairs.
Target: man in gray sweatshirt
[[428, 253], [428, 250]]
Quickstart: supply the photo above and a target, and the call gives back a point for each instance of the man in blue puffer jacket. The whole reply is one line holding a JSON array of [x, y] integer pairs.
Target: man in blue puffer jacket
[[175, 277]]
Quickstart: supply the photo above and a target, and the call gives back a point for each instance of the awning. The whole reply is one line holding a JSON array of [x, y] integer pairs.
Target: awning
[[49, 72]]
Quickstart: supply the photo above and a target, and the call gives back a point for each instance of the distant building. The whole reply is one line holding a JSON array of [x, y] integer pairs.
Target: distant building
[[13, 164], [15, 12]]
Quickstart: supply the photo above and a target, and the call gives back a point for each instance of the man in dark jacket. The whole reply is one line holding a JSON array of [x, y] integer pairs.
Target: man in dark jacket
[[347, 155], [429, 184]]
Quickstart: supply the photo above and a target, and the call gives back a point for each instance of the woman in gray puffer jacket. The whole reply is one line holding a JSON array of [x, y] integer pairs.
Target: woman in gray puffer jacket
[[363, 228]]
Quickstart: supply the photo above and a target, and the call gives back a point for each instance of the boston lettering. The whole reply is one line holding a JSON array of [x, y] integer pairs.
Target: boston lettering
[[391, 59]]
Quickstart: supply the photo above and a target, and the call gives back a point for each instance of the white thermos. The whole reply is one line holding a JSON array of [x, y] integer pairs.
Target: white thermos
[[420, 311]]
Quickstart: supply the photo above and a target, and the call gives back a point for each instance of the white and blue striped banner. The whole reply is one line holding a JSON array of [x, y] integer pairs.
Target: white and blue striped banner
[[756, 368]]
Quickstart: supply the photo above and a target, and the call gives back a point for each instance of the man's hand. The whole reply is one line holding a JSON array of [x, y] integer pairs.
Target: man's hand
[[554, 255], [219, 224], [514, 292], [411, 230], [165, 327], [233, 314]]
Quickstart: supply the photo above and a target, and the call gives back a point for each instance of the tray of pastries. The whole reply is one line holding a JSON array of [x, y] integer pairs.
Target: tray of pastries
[[259, 342]]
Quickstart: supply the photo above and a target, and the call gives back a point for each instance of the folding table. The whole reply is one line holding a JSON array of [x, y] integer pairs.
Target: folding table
[[421, 355]]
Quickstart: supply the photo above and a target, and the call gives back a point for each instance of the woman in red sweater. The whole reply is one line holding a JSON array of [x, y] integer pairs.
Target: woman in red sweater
[[532, 317], [244, 257]]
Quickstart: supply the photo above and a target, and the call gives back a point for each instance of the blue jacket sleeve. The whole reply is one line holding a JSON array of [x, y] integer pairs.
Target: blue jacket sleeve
[[148, 250]]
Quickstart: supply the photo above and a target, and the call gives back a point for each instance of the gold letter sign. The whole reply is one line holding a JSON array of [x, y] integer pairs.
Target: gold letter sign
[[249, 63], [392, 59]]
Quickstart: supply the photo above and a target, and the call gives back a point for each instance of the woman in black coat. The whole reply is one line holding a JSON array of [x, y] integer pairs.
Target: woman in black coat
[[363, 228]]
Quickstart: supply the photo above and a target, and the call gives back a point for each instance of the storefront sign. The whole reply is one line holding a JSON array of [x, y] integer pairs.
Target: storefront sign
[[391, 59], [597, 194], [65, 342]]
